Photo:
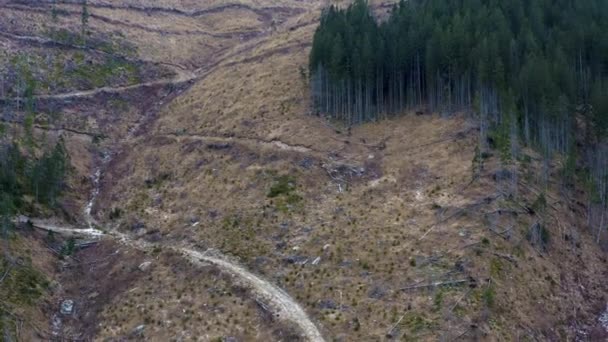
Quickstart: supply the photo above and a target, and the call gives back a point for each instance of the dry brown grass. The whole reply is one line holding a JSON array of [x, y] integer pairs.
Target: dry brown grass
[[175, 298], [373, 231], [202, 171]]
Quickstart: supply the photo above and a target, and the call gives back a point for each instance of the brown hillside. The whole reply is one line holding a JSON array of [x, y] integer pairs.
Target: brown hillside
[[380, 232]]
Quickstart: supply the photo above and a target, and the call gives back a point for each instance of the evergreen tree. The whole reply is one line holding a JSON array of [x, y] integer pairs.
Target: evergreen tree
[[84, 21], [535, 69], [443, 54]]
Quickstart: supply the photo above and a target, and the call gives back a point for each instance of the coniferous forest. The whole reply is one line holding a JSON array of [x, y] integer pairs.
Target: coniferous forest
[[33, 167], [531, 71], [540, 60]]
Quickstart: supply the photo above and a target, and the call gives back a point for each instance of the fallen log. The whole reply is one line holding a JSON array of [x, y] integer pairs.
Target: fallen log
[[435, 284]]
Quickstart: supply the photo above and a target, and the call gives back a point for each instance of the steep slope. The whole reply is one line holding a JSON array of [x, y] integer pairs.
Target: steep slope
[[378, 232]]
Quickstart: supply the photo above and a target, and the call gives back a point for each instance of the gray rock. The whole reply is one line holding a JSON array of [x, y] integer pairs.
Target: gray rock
[[260, 261], [201, 163], [296, 259], [22, 219], [459, 266], [138, 225], [306, 163], [139, 330], [307, 229], [67, 307], [501, 175], [346, 263], [145, 266], [56, 324], [393, 333], [376, 292], [218, 146], [158, 200], [141, 232], [154, 236], [327, 304]]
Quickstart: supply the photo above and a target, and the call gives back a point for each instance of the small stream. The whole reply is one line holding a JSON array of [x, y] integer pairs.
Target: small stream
[[106, 157]]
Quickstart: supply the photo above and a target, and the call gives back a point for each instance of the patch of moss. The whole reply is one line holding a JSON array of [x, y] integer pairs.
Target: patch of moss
[[496, 267], [540, 204], [283, 185], [140, 201], [438, 300], [23, 284], [101, 74], [489, 296], [283, 193], [416, 322], [241, 238]]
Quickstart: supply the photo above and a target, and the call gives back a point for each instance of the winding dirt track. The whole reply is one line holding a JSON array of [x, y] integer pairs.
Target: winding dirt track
[[282, 304], [182, 75], [222, 58], [270, 143], [264, 12], [222, 35]]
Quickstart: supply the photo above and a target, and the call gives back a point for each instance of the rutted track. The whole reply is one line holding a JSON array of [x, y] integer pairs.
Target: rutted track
[[270, 143], [223, 35], [263, 12], [182, 76], [47, 42], [283, 305]]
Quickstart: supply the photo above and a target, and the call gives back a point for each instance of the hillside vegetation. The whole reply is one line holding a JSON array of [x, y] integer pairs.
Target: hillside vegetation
[[539, 61], [281, 170], [531, 72]]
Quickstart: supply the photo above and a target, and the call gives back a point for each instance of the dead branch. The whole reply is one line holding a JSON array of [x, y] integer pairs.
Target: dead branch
[[262, 305], [86, 244], [53, 250], [96, 261], [538, 193], [381, 145], [507, 257], [463, 247], [459, 212], [501, 233], [435, 284], [390, 331], [457, 135], [462, 335], [459, 300], [503, 210], [19, 320], [6, 273]]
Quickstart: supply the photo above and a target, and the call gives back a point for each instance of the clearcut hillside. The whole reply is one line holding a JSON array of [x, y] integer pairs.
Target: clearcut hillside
[[189, 127]]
